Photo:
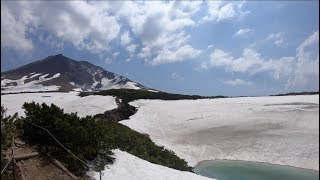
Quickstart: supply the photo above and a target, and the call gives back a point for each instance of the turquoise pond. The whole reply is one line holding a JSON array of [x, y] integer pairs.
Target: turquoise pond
[[244, 170]]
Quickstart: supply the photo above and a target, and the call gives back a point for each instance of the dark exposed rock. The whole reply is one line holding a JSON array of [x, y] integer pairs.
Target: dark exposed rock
[[124, 111]]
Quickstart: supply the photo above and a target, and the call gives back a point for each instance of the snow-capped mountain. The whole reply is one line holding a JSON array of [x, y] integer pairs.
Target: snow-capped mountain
[[60, 73]]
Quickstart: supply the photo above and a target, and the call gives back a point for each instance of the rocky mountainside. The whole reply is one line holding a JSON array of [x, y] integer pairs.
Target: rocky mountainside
[[60, 73]]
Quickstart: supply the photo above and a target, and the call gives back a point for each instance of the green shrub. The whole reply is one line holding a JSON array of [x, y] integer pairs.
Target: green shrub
[[82, 136], [128, 95], [9, 125], [91, 139]]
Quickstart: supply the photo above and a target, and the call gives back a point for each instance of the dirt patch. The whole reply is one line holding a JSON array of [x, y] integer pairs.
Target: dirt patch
[[39, 167]]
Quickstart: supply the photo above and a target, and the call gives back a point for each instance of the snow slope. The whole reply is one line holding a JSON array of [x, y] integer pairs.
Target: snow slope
[[32, 86], [130, 167], [70, 102], [114, 84], [281, 130]]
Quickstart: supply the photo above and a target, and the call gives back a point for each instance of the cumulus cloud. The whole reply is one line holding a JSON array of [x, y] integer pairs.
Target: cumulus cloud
[[237, 82], [221, 11], [160, 28], [128, 60], [108, 60], [183, 53], [306, 69], [242, 32], [250, 62], [132, 48], [157, 29], [13, 29], [51, 41], [115, 55], [125, 38], [79, 23], [298, 70], [277, 39], [176, 76]]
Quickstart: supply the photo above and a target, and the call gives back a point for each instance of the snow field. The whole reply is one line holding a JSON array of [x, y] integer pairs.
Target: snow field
[[126, 165], [70, 102], [130, 167], [31, 86], [280, 129]]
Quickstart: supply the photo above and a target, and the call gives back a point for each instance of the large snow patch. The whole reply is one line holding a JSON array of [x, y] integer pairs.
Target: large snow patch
[[70, 102], [131, 167], [281, 130], [32, 86]]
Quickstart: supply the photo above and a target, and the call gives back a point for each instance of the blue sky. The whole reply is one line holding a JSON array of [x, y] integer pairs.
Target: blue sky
[[200, 47]]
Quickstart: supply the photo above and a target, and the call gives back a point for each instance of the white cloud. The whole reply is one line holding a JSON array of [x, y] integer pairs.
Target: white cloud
[[126, 41], [221, 11], [278, 39], [183, 53], [13, 30], [312, 39], [115, 55], [108, 60], [275, 36], [220, 58], [242, 32], [250, 62], [210, 46], [306, 70], [176, 76], [298, 71], [128, 60], [160, 28], [125, 38], [157, 29], [51, 41], [182, 9], [131, 48], [78, 22], [237, 82]]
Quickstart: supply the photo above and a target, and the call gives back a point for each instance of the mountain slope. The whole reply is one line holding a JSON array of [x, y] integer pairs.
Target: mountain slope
[[60, 73]]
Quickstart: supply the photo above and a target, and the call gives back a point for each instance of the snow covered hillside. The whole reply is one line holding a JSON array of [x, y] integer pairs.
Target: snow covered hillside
[[28, 84], [130, 167], [70, 102], [60, 73], [281, 130]]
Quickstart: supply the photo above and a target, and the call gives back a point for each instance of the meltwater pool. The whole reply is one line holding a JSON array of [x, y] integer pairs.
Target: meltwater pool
[[245, 170]]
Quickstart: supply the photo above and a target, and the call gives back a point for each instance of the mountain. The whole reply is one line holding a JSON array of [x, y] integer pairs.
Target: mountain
[[60, 73]]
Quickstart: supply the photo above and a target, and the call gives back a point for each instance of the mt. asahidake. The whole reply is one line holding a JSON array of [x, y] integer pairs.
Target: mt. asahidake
[[60, 73]]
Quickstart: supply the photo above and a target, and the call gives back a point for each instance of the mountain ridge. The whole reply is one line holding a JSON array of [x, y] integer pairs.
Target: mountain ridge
[[61, 73]]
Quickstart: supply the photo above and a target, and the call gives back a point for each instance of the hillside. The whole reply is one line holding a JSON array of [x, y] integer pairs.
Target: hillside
[[60, 73]]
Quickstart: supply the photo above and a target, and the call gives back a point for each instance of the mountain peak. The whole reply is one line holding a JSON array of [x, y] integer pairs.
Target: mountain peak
[[65, 74], [57, 56]]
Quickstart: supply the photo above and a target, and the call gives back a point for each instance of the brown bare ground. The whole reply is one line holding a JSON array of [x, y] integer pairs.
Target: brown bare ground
[[39, 167]]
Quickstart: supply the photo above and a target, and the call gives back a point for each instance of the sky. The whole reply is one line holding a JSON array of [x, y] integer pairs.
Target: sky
[[234, 48]]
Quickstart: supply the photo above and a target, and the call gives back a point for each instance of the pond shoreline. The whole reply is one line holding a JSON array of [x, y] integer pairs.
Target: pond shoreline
[[259, 162], [251, 170]]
